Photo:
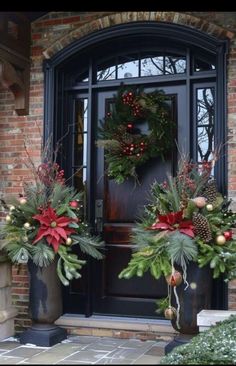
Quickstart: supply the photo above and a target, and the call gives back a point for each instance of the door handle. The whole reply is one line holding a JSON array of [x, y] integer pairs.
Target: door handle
[[99, 215]]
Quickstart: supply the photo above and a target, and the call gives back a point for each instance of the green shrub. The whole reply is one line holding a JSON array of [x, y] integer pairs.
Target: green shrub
[[215, 346]]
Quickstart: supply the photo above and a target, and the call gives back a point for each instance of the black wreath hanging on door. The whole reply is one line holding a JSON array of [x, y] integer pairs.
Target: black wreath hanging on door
[[126, 145]]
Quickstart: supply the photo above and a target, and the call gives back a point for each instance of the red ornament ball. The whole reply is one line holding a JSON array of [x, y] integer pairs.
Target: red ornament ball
[[228, 234], [174, 279], [74, 204]]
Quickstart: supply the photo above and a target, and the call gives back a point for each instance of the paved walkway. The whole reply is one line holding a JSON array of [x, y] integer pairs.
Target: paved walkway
[[84, 350]]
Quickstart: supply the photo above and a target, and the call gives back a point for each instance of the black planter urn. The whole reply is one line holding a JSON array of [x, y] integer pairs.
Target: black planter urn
[[192, 299], [45, 306]]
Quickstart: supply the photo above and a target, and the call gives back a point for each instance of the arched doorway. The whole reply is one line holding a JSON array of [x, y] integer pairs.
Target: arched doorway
[[190, 67]]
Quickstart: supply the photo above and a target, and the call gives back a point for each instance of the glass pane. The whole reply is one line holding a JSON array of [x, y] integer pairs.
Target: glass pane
[[203, 65], [78, 179], [205, 143], [80, 157], [128, 67], [152, 66], [205, 123], [82, 77], [175, 65], [107, 74]]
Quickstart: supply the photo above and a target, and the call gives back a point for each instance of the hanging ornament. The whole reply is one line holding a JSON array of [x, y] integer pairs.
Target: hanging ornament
[[74, 204], [68, 241], [174, 279], [22, 201], [131, 129], [26, 225], [228, 235], [200, 202], [170, 313], [12, 208], [220, 239], [209, 207], [8, 218]]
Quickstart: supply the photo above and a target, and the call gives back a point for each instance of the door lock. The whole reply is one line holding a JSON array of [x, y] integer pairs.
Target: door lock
[[99, 215]]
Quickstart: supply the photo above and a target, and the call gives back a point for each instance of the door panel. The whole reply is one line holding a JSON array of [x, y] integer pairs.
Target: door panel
[[122, 204]]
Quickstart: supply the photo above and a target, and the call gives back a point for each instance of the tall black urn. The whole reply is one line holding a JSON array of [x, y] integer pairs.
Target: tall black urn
[[192, 298], [45, 305]]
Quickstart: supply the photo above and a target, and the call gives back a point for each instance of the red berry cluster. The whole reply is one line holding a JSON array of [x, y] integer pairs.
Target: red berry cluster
[[59, 174], [129, 99], [206, 167], [134, 149], [50, 173]]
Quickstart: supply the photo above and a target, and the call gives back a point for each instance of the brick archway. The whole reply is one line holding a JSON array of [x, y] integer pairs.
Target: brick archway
[[129, 17]]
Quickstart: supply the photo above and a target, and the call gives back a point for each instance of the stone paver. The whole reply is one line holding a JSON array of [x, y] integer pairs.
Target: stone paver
[[86, 350], [158, 350], [135, 343], [87, 355], [9, 345], [113, 361], [126, 353], [67, 349], [147, 360], [10, 360], [25, 352]]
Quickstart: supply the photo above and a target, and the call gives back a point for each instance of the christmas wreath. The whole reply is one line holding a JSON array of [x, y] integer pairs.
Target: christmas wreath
[[124, 134]]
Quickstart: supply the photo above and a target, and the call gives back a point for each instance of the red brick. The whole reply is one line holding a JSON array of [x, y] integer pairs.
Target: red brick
[[36, 36], [70, 19]]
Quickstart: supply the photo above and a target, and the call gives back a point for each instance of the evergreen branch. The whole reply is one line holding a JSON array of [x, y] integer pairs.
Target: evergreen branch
[[89, 245], [42, 255], [181, 248]]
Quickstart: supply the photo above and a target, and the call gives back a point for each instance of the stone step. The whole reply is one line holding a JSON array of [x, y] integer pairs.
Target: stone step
[[206, 318], [119, 327]]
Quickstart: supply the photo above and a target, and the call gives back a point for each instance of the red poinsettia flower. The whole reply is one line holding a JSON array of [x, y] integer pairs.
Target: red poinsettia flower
[[54, 228], [174, 221]]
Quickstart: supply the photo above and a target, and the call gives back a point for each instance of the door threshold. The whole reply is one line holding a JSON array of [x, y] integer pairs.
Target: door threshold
[[116, 326]]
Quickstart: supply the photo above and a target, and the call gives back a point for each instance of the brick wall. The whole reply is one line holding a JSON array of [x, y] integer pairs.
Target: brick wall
[[51, 33]]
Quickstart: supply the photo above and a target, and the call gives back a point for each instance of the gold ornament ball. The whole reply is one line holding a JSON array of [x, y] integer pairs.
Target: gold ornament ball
[[170, 313], [209, 207], [26, 225], [68, 241], [200, 202], [12, 208], [220, 240], [22, 201], [8, 218]]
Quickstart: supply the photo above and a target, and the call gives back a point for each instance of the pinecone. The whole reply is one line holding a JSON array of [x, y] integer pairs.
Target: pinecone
[[201, 227], [210, 191]]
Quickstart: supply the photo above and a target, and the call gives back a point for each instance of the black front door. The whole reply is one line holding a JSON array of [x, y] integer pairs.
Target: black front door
[[189, 65], [120, 205]]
